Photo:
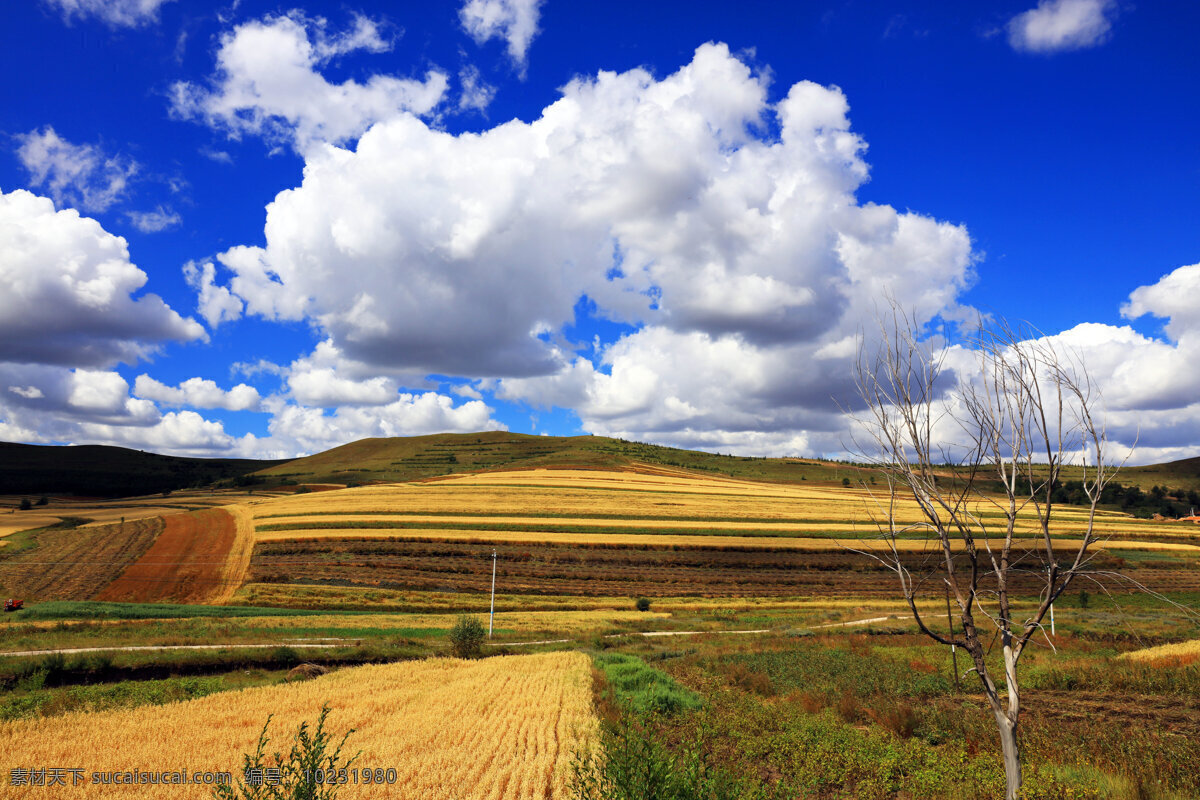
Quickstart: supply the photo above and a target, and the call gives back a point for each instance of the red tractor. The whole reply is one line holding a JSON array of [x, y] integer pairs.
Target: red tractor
[[13, 605]]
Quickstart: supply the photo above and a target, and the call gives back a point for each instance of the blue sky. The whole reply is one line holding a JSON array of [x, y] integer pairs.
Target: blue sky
[[666, 222]]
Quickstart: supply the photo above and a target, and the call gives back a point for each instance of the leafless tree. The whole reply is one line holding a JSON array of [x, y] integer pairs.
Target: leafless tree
[[1026, 418]]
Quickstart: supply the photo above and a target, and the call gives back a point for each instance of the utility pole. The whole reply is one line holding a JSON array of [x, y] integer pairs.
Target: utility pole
[[492, 613], [1052, 633], [953, 647]]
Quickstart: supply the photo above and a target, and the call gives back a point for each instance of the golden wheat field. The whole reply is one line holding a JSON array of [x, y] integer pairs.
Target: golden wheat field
[[1166, 651], [623, 508], [499, 728]]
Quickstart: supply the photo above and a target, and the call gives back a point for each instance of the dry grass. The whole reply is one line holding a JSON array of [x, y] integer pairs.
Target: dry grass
[[1183, 652], [631, 500], [564, 622], [498, 728]]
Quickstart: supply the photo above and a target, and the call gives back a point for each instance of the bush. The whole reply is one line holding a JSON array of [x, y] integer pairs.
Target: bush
[[309, 758], [642, 604], [43, 500], [25, 504], [466, 637]]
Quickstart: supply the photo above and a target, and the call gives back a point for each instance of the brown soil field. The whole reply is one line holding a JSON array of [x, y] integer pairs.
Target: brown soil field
[[75, 563], [613, 570], [188, 563]]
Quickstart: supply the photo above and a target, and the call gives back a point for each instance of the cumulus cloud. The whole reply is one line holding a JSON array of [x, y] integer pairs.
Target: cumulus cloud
[[80, 175], [653, 197], [154, 221], [313, 430], [737, 255], [268, 83], [116, 13], [69, 287], [1057, 25], [198, 393], [514, 21], [215, 303]]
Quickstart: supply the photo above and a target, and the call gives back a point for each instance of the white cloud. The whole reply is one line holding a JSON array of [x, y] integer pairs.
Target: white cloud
[[514, 21], [1174, 296], [75, 175], [117, 13], [466, 255], [475, 94], [154, 221], [68, 291], [215, 303], [312, 430], [198, 393], [268, 83], [1057, 25], [324, 387], [28, 392]]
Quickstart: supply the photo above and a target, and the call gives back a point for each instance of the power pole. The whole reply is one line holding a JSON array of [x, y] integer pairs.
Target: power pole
[[492, 613], [953, 647]]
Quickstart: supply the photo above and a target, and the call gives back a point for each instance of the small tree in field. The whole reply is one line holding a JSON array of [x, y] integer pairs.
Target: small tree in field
[[466, 637], [1024, 420]]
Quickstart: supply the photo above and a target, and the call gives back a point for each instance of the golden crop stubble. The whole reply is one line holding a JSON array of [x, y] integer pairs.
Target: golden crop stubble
[[501, 728]]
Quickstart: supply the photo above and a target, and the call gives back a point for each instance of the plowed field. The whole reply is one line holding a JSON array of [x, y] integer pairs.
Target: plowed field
[[188, 563]]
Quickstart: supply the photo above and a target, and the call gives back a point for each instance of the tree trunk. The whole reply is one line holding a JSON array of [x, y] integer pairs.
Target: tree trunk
[[1012, 755]]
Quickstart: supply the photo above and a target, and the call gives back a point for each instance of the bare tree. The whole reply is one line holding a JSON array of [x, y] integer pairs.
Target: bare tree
[[1026, 417]]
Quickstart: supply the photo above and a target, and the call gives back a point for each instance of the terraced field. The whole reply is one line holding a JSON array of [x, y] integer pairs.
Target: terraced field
[[655, 532]]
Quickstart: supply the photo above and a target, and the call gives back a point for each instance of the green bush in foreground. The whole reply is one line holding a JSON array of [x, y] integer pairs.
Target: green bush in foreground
[[310, 756], [466, 637]]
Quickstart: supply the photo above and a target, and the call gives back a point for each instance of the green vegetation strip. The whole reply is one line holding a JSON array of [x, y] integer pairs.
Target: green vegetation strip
[[642, 687], [67, 609]]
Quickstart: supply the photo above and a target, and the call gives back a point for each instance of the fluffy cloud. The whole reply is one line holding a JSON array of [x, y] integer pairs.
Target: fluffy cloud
[[312, 430], [79, 175], [466, 255], [198, 393], [268, 83], [1057, 25], [117, 13], [68, 291], [514, 21], [215, 303]]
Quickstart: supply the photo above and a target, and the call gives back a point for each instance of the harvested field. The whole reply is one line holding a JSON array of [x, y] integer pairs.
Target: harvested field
[[607, 568], [74, 563], [1180, 652], [188, 563], [575, 532], [500, 728]]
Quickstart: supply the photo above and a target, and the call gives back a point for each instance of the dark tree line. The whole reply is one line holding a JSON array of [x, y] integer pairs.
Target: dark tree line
[[1132, 499]]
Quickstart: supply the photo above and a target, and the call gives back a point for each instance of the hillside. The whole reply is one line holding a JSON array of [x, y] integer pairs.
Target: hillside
[[410, 458], [103, 471]]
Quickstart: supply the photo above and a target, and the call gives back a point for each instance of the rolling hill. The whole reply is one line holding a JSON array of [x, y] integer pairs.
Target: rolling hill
[[415, 457]]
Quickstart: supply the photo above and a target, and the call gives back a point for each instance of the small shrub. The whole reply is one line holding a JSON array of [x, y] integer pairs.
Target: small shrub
[[43, 500], [466, 637], [302, 490], [285, 655], [310, 756], [849, 708], [642, 604], [1084, 597], [25, 504], [900, 719]]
